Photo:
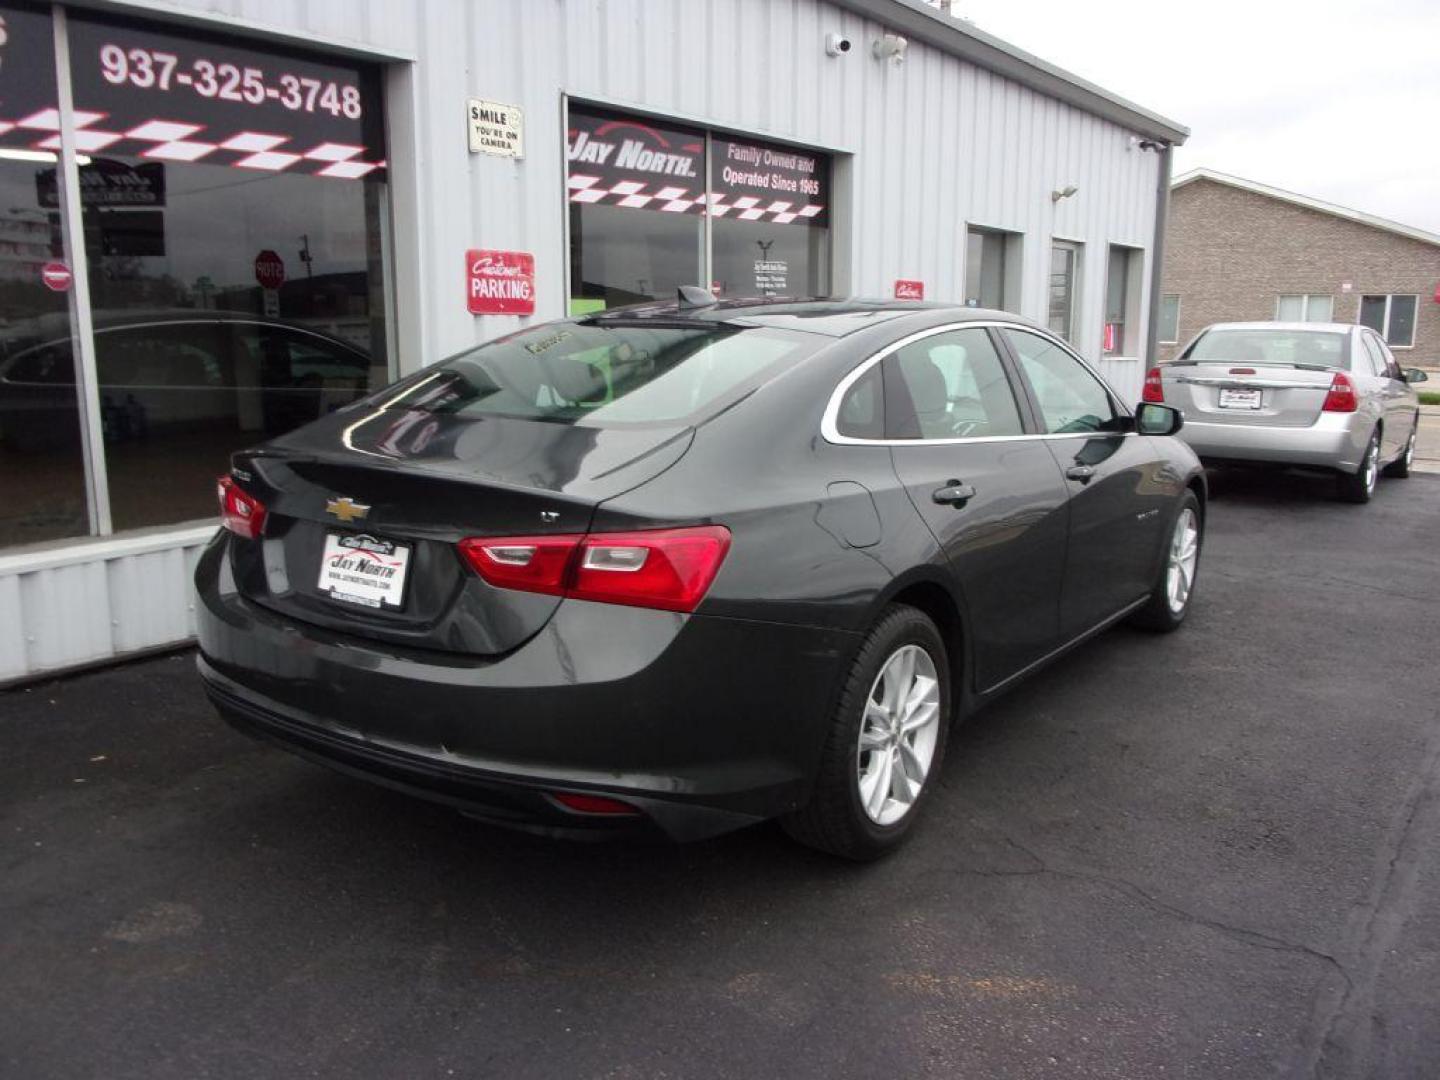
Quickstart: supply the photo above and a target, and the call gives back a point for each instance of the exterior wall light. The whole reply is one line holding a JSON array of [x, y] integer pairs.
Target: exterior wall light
[[1063, 193], [891, 47]]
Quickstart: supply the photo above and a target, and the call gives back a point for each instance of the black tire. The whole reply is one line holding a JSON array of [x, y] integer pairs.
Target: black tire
[[1159, 615], [835, 820], [1359, 486], [1400, 467]]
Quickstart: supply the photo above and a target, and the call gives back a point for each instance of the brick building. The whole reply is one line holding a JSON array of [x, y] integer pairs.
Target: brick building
[[1237, 250]]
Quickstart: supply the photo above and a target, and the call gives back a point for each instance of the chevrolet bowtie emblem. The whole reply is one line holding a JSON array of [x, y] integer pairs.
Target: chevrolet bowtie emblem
[[346, 509]]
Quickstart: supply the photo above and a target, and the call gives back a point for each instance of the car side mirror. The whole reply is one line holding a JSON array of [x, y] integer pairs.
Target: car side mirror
[[1414, 375], [1152, 419]]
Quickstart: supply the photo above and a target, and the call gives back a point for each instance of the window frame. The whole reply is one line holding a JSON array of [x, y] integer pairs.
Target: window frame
[[1384, 330], [1019, 385]]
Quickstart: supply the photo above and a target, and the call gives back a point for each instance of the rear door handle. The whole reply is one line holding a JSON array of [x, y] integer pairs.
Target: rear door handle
[[1083, 473], [954, 493]]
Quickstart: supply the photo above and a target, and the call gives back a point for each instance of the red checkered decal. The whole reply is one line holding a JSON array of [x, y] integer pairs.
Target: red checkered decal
[[173, 140], [677, 200]]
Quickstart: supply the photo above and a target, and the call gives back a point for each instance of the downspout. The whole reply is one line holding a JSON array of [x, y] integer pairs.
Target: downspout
[[1157, 254]]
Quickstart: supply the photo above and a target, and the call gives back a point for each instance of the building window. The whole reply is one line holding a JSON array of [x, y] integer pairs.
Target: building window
[[236, 278], [1064, 285], [1304, 307], [42, 464], [641, 191], [992, 268], [1122, 295], [1169, 319], [233, 207], [1390, 316], [770, 231]]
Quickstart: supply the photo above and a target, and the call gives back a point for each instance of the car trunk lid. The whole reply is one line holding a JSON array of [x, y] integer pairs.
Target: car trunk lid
[[398, 489], [1261, 394]]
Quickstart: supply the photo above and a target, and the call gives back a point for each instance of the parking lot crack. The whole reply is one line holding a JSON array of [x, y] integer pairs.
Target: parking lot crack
[[1243, 934]]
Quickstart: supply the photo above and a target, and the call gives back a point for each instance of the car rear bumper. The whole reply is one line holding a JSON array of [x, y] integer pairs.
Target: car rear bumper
[[1334, 441], [702, 724]]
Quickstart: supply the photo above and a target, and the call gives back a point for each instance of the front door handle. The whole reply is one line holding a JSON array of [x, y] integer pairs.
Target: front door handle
[[954, 493], [1083, 473]]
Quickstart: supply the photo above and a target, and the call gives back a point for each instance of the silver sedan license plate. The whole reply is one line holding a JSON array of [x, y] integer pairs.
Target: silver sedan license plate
[[363, 569], [1239, 398]]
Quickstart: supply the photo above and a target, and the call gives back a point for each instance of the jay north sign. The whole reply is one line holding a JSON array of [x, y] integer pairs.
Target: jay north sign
[[645, 165]]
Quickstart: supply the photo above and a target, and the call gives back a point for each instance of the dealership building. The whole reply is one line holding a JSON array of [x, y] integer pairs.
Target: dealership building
[[218, 221]]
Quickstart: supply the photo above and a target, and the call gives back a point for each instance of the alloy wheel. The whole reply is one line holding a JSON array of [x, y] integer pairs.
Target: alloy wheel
[[898, 734], [1184, 554], [1370, 466]]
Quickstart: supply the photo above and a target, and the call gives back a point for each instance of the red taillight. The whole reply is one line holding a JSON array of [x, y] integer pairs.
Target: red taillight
[[240, 512], [529, 563], [670, 569], [1341, 397], [1154, 388], [593, 804]]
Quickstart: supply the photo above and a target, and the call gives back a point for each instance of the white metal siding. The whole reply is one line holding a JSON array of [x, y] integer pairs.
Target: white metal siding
[[96, 600]]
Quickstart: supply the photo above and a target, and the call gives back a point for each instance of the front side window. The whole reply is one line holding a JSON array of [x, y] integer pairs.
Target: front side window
[[949, 386], [1071, 399], [1392, 316], [1304, 307]]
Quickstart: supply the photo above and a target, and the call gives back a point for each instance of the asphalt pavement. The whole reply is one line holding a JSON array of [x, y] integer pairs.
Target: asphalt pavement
[[1212, 854]]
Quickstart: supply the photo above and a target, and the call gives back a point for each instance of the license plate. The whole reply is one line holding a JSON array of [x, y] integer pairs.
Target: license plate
[[363, 569], [1232, 398]]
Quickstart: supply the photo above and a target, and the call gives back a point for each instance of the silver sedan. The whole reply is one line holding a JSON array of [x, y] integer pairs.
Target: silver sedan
[[1308, 395]]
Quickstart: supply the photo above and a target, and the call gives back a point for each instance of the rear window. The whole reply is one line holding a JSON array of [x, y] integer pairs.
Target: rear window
[[602, 375], [1270, 347]]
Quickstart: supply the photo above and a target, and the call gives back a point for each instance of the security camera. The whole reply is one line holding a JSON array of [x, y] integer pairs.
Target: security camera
[[836, 44]]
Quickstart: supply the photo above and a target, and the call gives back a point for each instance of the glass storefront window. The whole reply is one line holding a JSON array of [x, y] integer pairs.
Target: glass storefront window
[[42, 468], [770, 231], [639, 199], [637, 204], [233, 215]]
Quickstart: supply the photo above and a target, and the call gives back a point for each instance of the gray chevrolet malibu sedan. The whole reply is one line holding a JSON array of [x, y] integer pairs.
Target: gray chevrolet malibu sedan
[[1304, 395]]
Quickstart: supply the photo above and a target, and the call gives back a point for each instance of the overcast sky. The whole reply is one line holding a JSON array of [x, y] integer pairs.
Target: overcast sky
[[1340, 101]]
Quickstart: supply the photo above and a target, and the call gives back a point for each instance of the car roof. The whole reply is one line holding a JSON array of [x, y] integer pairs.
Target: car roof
[[828, 317], [1328, 328]]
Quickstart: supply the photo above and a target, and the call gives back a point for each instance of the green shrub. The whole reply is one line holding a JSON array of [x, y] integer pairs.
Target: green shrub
[[1430, 397]]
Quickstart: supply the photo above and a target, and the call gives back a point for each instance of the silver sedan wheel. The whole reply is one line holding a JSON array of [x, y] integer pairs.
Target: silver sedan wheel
[[898, 734], [1370, 467], [1184, 554], [1410, 449]]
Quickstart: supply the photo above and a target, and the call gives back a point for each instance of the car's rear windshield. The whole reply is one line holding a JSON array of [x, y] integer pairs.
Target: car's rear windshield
[[1317, 347], [604, 375]]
